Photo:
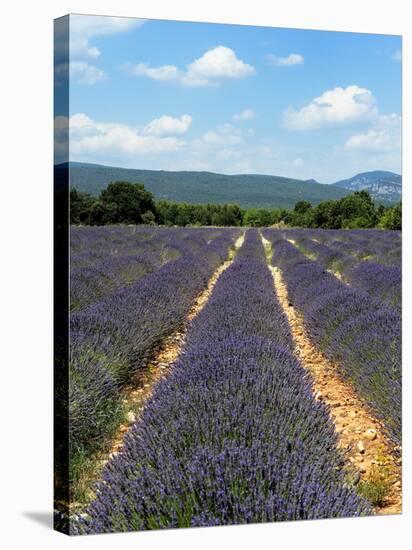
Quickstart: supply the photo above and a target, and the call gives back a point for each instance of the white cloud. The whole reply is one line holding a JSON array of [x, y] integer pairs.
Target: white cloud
[[291, 59], [84, 73], [218, 63], [89, 137], [384, 136], [224, 134], [168, 126], [85, 27], [216, 138], [246, 114], [98, 25], [210, 69], [165, 73], [297, 162], [80, 47], [335, 107], [397, 56]]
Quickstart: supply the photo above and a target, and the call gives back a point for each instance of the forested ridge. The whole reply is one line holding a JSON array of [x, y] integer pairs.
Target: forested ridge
[[131, 203]]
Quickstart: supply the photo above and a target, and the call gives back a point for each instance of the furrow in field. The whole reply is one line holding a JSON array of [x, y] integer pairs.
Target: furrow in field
[[361, 435]]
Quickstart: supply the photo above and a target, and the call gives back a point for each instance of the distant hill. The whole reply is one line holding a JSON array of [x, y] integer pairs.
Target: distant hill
[[383, 186], [207, 187]]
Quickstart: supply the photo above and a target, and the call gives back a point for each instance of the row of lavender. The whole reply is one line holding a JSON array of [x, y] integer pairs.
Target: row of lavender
[[361, 335], [111, 339], [381, 282], [233, 434], [103, 259], [379, 246]]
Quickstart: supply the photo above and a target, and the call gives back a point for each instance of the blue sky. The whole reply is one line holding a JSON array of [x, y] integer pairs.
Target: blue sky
[[233, 99]]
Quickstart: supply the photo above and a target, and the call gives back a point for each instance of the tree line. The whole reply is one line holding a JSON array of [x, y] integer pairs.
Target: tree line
[[130, 203]]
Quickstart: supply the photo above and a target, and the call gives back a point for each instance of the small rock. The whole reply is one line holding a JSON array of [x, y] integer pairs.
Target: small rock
[[318, 396], [362, 470], [370, 434], [353, 414], [361, 447], [397, 484], [336, 404], [131, 417]]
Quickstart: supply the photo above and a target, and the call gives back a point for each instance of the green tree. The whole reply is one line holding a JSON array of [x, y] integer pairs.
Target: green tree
[[392, 218], [149, 218], [261, 217], [80, 204], [231, 214], [357, 210], [101, 213], [326, 215], [132, 200], [302, 206]]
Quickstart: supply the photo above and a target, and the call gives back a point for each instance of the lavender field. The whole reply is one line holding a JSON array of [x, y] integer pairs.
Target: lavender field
[[233, 430]]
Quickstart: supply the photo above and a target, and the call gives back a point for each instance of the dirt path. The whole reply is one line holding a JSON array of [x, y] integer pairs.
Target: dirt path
[[371, 458]]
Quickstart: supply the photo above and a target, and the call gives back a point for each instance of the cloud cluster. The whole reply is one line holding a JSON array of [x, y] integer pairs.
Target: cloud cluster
[[168, 126], [224, 135], [213, 67], [335, 107], [245, 115], [291, 59], [101, 139], [85, 27], [84, 73], [383, 137]]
